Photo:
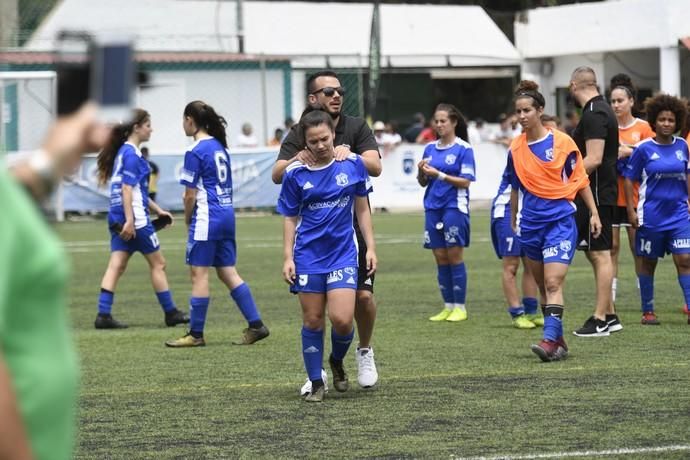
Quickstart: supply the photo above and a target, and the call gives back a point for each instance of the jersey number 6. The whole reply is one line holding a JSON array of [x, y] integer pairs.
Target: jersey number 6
[[222, 164]]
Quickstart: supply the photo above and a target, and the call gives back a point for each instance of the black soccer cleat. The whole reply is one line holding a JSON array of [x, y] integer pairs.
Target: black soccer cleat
[[176, 317], [108, 322]]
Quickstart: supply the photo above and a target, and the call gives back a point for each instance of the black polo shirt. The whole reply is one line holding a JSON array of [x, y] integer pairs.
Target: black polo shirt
[[599, 122], [352, 131]]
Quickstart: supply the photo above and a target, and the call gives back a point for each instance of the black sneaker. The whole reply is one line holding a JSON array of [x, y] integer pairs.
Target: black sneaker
[[340, 381], [593, 328], [176, 317], [108, 322], [614, 323]]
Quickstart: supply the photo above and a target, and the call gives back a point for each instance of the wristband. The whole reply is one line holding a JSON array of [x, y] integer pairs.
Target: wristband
[[442, 176]]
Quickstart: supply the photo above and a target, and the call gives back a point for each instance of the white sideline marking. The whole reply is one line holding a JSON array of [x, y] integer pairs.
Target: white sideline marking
[[584, 453]]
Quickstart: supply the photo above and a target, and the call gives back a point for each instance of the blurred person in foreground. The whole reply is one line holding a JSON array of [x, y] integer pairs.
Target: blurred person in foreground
[[38, 364]]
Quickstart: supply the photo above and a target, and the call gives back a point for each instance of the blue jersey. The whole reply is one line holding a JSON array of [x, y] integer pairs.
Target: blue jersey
[[132, 169], [207, 168], [500, 206], [456, 159], [324, 198], [662, 172], [534, 211]]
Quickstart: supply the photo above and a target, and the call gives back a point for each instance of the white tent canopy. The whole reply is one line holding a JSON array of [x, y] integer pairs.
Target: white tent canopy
[[616, 25], [312, 34]]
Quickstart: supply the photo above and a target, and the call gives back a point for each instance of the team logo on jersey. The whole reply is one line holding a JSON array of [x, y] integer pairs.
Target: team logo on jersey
[[303, 280], [636, 137], [452, 234], [341, 179], [549, 154], [565, 246], [679, 155], [307, 186], [350, 270], [450, 159]]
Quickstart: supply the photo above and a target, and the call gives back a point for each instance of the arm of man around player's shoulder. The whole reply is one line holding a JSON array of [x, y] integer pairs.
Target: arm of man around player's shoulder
[[289, 150]]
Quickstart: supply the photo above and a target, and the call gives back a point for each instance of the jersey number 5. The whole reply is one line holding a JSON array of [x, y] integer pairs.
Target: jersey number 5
[[222, 164]]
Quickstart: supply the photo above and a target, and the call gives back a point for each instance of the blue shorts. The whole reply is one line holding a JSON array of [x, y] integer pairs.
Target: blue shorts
[[342, 278], [551, 243], [444, 228], [213, 253], [144, 241], [505, 241], [653, 244]]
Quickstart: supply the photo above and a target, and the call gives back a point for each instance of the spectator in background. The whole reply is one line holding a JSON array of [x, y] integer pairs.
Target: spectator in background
[[288, 124], [551, 122], [247, 137], [572, 119], [379, 130], [277, 138], [427, 135], [153, 177], [392, 136], [506, 130], [413, 131]]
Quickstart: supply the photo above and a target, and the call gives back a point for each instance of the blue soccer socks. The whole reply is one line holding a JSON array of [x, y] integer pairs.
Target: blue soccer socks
[[198, 307], [340, 344], [445, 284], [646, 292], [459, 273], [553, 322], [242, 296], [105, 302], [166, 300], [312, 352]]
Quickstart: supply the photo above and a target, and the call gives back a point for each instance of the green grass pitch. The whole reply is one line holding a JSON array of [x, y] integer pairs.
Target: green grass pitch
[[445, 390]]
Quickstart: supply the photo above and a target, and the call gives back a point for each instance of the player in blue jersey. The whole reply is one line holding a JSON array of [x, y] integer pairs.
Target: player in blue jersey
[[210, 217], [122, 163], [320, 246], [547, 173], [446, 170], [660, 165], [524, 312]]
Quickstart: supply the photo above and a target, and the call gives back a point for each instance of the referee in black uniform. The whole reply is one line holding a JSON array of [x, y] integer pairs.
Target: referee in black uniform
[[596, 135], [352, 134]]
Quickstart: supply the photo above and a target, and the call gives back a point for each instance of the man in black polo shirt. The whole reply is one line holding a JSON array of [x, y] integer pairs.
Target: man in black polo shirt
[[352, 134], [596, 136]]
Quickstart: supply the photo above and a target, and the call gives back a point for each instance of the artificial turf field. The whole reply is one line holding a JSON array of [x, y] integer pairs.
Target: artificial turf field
[[446, 390]]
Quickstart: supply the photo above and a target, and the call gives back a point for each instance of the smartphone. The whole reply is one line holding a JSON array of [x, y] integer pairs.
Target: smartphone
[[112, 76], [97, 67]]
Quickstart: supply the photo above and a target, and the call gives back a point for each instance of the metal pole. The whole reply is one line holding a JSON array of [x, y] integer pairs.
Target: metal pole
[[264, 98], [240, 26]]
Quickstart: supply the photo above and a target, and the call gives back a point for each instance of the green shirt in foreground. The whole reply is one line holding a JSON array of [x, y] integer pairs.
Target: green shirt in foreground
[[35, 338]]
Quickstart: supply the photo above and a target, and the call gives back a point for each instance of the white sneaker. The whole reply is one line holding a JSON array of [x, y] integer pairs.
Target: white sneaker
[[367, 376], [306, 388]]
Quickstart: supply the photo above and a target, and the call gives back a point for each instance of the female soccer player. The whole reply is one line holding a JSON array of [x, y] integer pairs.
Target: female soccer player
[[631, 130], [547, 171], [660, 165], [524, 313], [210, 218], [446, 170], [320, 247], [121, 161]]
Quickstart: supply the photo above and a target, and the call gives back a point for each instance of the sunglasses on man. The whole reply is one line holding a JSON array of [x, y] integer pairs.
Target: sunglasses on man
[[329, 91]]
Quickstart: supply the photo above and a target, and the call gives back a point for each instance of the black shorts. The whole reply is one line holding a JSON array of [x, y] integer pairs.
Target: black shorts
[[620, 217], [585, 241], [364, 282]]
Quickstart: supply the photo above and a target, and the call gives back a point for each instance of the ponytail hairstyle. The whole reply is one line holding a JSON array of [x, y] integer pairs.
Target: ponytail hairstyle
[[207, 119], [312, 117], [119, 135], [455, 115], [530, 89]]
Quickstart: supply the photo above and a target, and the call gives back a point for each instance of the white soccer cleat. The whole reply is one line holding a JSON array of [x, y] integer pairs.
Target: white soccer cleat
[[306, 388], [367, 376]]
